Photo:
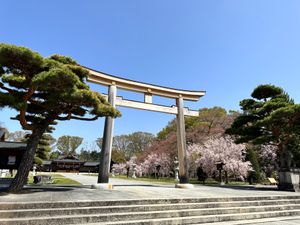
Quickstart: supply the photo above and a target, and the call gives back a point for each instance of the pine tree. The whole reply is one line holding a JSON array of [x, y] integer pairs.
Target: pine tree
[[270, 117], [44, 91], [43, 149], [255, 174]]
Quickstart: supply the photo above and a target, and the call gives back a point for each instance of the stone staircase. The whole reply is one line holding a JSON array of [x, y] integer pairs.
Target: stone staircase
[[150, 211]]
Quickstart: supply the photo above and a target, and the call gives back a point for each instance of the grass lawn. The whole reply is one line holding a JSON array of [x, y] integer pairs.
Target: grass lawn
[[213, 182], [57, 178]]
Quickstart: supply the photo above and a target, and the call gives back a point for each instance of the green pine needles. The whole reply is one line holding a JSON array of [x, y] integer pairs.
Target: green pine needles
[[270, 117], [44, 91]]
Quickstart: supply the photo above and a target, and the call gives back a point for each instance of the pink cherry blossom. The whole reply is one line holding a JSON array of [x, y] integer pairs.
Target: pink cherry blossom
[[222, 149]]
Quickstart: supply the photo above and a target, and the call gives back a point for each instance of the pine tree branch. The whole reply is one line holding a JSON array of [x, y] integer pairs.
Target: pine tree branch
[[10, 91], [23, 120], [77, 118], [85, 119], [29, 93]]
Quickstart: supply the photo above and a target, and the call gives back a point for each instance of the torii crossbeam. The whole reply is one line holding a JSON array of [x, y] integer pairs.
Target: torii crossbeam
[[149, 90]]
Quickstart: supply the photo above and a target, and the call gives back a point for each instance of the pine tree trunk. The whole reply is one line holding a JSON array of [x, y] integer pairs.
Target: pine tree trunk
[[285, 159], [27, 160]]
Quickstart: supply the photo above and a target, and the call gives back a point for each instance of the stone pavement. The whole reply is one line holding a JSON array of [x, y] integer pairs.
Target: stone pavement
[[131, 189]]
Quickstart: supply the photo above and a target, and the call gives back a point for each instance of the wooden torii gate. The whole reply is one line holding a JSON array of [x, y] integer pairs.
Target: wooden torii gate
[[149, 90]]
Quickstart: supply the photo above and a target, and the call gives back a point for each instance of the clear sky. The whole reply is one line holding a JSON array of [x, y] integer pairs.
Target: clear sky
[[224, 47]]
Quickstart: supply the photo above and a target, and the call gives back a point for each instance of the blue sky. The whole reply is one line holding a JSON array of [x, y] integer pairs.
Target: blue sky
[[223, 47]]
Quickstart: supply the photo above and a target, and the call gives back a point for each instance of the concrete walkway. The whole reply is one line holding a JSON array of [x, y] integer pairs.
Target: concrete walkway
[[157, 190], [86, 179], [130, 189]]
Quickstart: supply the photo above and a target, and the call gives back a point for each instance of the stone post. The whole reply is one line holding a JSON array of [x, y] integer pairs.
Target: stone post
[[105, 157], [181, 145]]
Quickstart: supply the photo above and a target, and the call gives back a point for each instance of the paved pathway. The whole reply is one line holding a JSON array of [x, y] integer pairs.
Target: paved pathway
[[87, 179], [158, 190], [131, 189]]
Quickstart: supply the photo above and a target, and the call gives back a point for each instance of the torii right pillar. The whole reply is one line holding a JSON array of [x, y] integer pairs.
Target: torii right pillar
[[181, 145]]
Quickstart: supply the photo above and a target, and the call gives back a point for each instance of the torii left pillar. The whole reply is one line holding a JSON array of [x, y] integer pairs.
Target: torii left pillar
[[181, 146], [105, 157]]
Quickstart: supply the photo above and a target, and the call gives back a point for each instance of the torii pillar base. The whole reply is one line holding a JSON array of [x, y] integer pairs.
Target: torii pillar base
[[103, 186], [184, 186]]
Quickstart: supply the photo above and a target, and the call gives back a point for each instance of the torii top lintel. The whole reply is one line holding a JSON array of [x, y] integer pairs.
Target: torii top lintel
[[135, 86]]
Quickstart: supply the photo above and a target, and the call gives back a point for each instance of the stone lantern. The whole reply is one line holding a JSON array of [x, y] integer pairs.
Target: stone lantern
[[220, 166], [157, 168], [134, 170], [34, 170]]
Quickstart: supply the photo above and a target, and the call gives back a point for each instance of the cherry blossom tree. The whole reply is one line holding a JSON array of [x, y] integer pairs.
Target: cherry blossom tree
[[267, 158], [193, 154], [139, 170], [225, 150], [149, 166], [120, 168]]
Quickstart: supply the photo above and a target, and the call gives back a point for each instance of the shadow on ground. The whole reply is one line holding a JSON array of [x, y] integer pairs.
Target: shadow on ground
[[44, 188], [249, 187]]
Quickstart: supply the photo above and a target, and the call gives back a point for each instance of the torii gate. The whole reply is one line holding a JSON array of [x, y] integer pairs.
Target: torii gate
[[149, 90]]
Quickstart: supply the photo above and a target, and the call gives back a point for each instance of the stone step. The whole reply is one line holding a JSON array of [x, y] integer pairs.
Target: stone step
[[212, 219], [186, 216], [65, 204], [295, 220], [139, 208]]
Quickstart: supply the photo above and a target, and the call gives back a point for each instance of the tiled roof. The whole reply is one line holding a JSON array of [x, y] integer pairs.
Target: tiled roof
[[68, 160], [12, 145], [46, 162], [91, 163]]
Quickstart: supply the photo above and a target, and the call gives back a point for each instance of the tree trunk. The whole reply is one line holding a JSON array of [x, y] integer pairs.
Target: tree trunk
[[226, 177], [285, 159], [27, 160]]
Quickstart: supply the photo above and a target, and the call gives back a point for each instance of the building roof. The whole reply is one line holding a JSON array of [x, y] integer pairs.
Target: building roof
[[12, 145], [91, 163], [67, 161], [46, 162], [68, 157]]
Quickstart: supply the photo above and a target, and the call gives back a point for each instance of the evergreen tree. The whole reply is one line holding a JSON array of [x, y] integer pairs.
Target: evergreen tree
[[270, 117], [255, 174], [43, 149], [44, 91]]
